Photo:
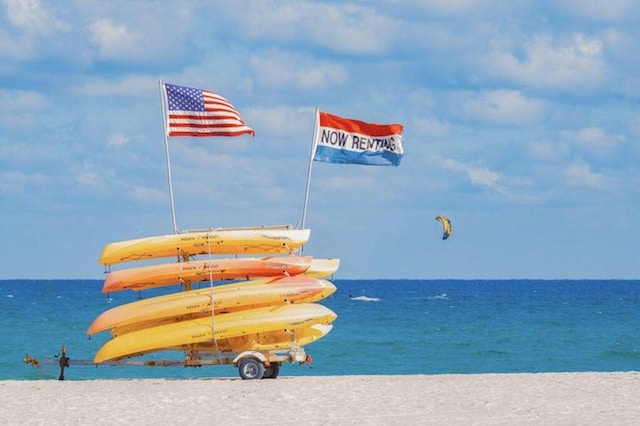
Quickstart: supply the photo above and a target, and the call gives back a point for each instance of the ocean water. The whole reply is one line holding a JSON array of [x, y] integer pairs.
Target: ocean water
[[383, 327]]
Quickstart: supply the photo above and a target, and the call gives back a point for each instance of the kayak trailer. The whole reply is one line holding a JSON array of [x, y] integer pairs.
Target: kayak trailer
[[251, 365]]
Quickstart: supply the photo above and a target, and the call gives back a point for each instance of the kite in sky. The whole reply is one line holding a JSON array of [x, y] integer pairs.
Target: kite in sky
[[446, 226]]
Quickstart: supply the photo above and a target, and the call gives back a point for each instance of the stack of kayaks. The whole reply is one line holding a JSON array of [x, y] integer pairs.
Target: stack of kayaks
[[268, 305]]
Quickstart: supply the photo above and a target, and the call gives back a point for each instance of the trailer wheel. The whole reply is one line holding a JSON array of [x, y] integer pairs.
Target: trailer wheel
[[271, 372], [250, 369]]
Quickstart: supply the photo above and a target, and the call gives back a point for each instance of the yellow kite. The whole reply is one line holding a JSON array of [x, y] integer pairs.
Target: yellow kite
[[446, 226]]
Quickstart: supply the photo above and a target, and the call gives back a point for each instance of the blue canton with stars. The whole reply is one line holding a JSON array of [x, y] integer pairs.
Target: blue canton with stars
[[184, 98]]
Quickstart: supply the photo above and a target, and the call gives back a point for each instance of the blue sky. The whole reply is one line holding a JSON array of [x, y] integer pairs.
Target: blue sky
[[521, 123]]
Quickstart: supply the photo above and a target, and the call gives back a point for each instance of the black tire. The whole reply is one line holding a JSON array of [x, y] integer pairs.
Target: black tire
[[251, 369], [271, 372]]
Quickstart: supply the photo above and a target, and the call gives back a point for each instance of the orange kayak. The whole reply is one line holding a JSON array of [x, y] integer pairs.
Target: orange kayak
[[186, 273]]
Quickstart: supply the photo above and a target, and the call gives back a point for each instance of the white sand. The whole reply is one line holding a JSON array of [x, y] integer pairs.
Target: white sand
[[492, 399]]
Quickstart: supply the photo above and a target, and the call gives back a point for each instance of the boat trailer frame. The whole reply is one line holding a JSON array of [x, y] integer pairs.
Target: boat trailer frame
[[252, 365]]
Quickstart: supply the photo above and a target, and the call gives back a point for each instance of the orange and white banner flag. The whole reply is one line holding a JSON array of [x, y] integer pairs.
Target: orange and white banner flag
[[348, 141]]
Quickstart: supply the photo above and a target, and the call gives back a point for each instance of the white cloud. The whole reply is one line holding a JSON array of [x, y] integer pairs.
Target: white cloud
[[503, 107], [341, 27], [31, 17], [573, 63], [610, 10], [430, 127], [548, 151], [451, 6], [355, 183], [478, 176], [140, 32], [19, 100], [19, 183], [226, 162], [580, 174], [510, 189], [448, 8], [594, 140], [281, 69], [110, 39], [483, 177], [32, 32], [146, 194], [280, 121], [19, 108], [127, 85], [634, 124], [87, 175], [117, 140], [597, 138]]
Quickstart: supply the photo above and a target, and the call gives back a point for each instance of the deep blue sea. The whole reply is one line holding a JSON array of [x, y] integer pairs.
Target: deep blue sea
[[383, 327]]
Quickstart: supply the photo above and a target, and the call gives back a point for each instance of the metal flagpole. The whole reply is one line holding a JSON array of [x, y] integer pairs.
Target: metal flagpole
[[166, 150], [313, 153]]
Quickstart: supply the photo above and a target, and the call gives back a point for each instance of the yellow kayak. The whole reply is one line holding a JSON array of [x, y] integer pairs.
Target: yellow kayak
[[221, 241], [322, 268], [226, 298], [223, 326], [272, 341], [153, 276]]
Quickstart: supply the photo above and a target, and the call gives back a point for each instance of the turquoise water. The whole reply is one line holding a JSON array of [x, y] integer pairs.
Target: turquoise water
[[383, 327]]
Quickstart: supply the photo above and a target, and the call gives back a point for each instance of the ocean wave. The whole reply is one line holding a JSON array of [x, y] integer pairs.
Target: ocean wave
[[442, 296], [364, 298]]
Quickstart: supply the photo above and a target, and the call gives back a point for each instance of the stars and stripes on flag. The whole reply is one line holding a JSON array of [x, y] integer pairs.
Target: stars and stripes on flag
[[348, 141], [197, 112]]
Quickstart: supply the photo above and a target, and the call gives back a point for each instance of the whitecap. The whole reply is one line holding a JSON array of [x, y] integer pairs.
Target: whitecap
[[8, 295], [442, 296], [365, 299]]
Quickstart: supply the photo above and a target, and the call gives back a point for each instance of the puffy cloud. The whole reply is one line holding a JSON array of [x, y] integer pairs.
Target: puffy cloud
[[478, 176], [593, 140], [548, 151], [117, 140], [341, 27], [111, 39], [140, 33], [597, 138], [281, 121], [87, 175], [19, 108], [567, 65], [611, 10], [12, 182], [128, 85], [579, 174], [19, 100], [31, 17], [430, 126], [280, 69], [449, 8], [31, 32], [146, 194], [503, 107]]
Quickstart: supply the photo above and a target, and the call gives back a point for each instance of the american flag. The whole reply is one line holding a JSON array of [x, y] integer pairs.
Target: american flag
[[196, 112]]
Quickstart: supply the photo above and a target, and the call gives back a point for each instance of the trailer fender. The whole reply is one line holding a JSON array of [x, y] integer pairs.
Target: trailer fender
[[251, 354]]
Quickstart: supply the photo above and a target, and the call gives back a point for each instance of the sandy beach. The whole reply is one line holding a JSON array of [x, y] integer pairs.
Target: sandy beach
[[491, 399]]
